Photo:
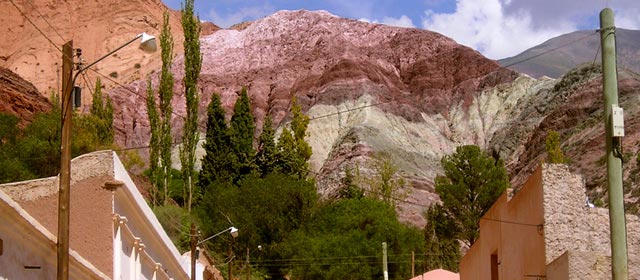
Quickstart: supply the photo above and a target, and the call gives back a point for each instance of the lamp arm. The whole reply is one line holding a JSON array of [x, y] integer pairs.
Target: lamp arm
[[110, 53], [206, 239]]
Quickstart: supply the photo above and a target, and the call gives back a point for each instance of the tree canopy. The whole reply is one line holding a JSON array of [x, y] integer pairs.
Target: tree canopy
[[472, 182]]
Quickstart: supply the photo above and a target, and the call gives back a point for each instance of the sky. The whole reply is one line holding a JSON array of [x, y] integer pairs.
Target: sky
[[496, 28]]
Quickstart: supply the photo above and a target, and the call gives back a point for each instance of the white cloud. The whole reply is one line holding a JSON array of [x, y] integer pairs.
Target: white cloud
[[484, 26], [402, 21], [628, 19], [243, 14]]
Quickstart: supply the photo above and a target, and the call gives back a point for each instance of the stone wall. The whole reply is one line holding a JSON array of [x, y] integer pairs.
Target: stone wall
[[572, 226], [83, 167]]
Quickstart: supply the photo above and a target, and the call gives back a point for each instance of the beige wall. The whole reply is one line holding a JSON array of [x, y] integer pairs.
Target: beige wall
[[573, 244], [510, 230]]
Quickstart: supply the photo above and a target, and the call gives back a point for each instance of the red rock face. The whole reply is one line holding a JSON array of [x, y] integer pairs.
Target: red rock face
[[20, 98], [323, 59]]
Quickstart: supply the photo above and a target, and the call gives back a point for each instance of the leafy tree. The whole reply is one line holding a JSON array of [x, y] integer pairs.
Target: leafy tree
[[385, 184], [242, 128], [154, 144], [216, 163], [265, 210], [343, 241], [160, 116], [267, 155], [473, 181], [192, 65], [442, 247], [294, 151], [552, 146], [103, 113], [349, 186]]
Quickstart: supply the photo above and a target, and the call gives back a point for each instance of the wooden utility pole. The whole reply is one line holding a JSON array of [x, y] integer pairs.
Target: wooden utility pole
[[194, 242], [65, 163], [617, 221], [248, 266]]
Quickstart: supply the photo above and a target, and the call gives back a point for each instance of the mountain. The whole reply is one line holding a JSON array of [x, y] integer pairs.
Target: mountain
[[411, 93], [20, 98], [96, 27], [570, 50], [406, 81]]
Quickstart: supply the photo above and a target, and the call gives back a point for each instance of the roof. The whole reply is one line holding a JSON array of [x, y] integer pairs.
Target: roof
[[438, 274]]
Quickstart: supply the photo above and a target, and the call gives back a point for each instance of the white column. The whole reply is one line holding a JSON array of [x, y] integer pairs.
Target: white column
[[117, 246]]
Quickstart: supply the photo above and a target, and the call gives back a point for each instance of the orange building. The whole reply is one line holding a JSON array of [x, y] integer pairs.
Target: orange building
[[547, 230]]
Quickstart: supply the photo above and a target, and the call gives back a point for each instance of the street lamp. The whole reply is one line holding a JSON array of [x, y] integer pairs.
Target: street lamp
[[147, 44], [194, 243]]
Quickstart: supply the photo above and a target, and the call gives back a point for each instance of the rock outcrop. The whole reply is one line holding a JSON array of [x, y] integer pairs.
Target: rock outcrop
[[96, 27], [20, 98]]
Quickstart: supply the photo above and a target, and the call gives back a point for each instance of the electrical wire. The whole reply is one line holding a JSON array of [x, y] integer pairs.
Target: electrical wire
[[45, 20], [35, 26]]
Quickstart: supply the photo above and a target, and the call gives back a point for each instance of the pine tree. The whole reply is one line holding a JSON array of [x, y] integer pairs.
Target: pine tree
[[242, 129], [266, 157], [192, 65], [160, 118], [216, 164], [473, 181]]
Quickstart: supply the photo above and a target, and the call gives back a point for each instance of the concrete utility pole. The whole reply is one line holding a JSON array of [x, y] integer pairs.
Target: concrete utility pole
[[65, 163], [384, 261], [617, 221]]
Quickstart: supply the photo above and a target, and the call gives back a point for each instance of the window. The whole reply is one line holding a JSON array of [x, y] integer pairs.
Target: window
[[494, 266]]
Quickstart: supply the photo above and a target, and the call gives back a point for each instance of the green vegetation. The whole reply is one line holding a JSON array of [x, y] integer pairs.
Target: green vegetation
[[552, 146], [473, 181], [275, 204], [192, 66], [160, 120], [34, 151]]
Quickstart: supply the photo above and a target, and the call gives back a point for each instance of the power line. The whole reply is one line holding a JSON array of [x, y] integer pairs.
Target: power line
[[35, 26], [45, 20]]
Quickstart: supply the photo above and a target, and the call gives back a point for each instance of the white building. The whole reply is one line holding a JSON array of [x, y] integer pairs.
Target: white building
[[113, 232]]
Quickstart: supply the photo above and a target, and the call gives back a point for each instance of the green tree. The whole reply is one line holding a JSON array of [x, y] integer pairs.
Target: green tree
[[242, 129], [552, 146], [385, 184], [267, 155], [343, 241], [473, 181], [192, 65], [102, 111], [154, 144], [349, 188], [441, 246], [216, 163], [294, 151], [161, 115]]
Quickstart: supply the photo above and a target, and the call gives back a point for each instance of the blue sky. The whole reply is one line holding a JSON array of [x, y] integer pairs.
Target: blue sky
[[496, 28]]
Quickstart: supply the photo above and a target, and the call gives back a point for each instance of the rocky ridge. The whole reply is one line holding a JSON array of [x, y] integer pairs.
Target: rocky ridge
[[96, 27]]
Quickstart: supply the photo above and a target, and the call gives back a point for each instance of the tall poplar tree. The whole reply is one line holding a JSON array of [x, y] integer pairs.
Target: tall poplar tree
[[160, 145], [242, 128], [103, 113], [192, 65]]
